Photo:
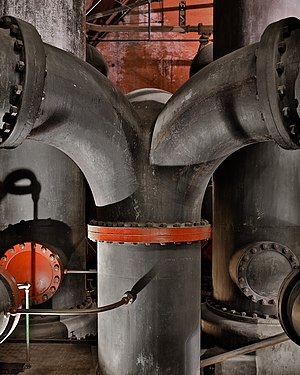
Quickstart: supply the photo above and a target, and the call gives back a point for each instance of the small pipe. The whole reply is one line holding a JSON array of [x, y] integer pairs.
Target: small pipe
[[244, 350], [127, 299], [26, 287], [160, 29], [146, 40], [79, 271], [108, 12]]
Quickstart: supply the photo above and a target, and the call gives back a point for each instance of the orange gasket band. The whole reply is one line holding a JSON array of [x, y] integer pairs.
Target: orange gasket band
[[157, 233]]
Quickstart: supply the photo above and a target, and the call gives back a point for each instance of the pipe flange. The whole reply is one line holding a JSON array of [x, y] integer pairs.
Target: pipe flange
[[222, 309], [276, 85], [148, 233], [288, 305], [37, 264], [259, 268], [25, 91]]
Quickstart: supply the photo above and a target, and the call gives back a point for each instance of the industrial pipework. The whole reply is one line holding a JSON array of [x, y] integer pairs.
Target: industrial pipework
[[40, 101], [243, 98]]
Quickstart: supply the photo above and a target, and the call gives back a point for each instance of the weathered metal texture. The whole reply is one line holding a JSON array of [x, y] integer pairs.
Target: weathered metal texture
[[259, 268], [31, 262], [230, 112], [9, 295], [60, 23], [62, 123], [94, 138], [288, 305], [255, 189], [95, 58], [56, 183], [160, 332]]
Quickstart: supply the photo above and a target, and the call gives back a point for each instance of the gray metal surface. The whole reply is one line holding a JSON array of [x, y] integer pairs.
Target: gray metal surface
[[160, 332], [62, 189]]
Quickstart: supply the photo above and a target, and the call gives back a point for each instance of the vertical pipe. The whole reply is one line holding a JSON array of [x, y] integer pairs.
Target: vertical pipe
[[160, 333], [62, 193], [255, 189]]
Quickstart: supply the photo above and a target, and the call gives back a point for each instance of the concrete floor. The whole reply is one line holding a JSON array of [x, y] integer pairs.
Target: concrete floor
[[70, 358]]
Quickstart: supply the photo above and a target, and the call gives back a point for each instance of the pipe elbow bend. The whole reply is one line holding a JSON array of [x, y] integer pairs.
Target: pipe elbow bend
[[245, 97], [51, 96]]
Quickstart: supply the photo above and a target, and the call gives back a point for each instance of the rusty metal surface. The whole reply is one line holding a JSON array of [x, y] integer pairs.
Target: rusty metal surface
[[37, 264]]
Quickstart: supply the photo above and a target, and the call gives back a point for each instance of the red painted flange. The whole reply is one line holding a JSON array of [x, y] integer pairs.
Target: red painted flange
[[37, 264], [156, 233]]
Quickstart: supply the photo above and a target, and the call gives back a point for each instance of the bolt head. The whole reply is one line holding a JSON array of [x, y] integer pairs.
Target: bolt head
[[20, 66], [253, 250], [56, 279], [18, 45], [45, 297]]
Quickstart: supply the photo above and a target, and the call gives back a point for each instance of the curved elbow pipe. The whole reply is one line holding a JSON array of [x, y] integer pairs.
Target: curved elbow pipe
[[64, 102], [243, 98]]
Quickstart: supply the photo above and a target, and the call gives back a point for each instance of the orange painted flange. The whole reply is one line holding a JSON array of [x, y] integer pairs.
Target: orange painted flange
[[176, 233], [34, 263]]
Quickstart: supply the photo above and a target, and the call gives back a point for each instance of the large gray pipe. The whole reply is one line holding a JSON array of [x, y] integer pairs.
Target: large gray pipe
[[67, 104], [62, 187]]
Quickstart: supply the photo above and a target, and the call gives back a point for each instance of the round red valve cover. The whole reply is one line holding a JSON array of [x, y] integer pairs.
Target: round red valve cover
[[37, 264]]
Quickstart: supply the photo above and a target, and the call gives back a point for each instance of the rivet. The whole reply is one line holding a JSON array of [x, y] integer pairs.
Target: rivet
[[241, 280], [14, 29], [254, 250], [224, 309], [281, 89], [292, 129], [13, 110], [52, 289], [45, 297], [56, 267], [43, 250], [253, 298], [56, 279], [18, 89], [18, 45], [275, 246], [279, 67], [286, 111], [4, 258], [52, 257], [12, 250], [285, 250], [245, 290], [20, 66], [293, 258], [264, 246], [6, 127], [254, 315], [243, 313], [246, 258], [7, 21], [233, 311], [22, 246], [266, 316]]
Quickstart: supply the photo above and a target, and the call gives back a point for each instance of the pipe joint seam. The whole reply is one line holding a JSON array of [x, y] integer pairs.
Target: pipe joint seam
[[276, 77], [26, 91]]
